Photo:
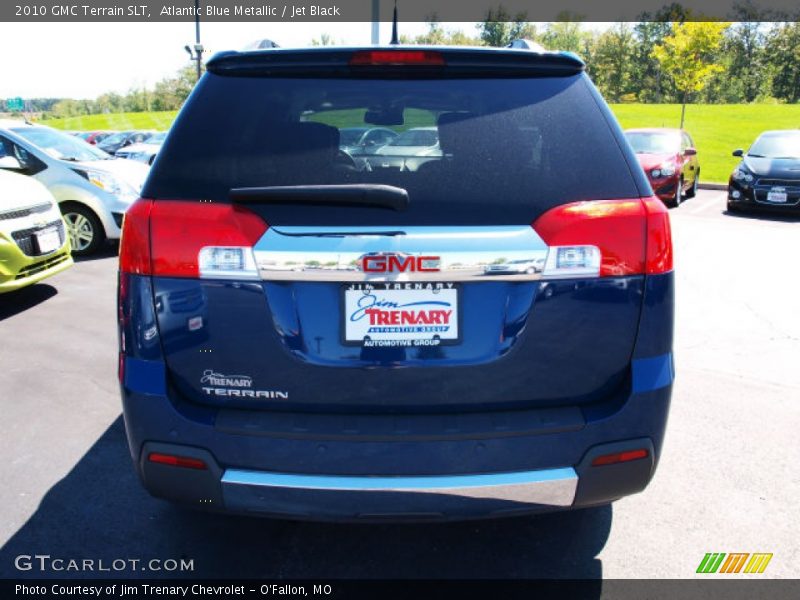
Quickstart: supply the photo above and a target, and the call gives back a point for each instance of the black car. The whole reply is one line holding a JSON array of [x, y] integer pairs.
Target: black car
[[768, 177], [122, 139]]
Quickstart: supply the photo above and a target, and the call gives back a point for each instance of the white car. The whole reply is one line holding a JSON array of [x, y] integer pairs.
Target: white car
[[33, 239], [520, 266], [93, 189], [418, 141], [144, 152]]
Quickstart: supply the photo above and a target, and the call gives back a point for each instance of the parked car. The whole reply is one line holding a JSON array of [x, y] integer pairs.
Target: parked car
[[391, 379], [669, 160], [116, 141], [357, 141], [144, 152], [95, 137], [33, 241], [522, 265], [93, 189], [768, 176], [419, 141]]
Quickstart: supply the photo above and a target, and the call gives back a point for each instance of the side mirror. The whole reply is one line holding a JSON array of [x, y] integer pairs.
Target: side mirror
[[690, 152], [10, 162], [738, 152]]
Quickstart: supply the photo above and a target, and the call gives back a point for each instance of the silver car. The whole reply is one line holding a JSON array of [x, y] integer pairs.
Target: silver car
[[93, 189], [145, 152]]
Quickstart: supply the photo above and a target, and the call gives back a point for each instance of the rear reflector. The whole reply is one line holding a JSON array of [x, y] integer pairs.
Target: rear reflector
[[396, 57], [620, 457], [606, 238], [177, 461], [174, 238]]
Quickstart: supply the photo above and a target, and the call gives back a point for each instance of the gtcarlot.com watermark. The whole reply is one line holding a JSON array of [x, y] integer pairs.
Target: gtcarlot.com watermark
[[44, 563]]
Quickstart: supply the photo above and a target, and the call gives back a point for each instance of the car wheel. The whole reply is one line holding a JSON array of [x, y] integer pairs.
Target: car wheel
[[83, 227], [676, 202], [692, 191]]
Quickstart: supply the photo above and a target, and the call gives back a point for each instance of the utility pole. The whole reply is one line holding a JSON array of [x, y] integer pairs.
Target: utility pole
[[197, 55], [376, 22]]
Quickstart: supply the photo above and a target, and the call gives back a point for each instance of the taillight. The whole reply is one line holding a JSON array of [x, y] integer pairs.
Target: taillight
[[397, 57], [175, 238], [134, 247], [659, 237], [606, 238]]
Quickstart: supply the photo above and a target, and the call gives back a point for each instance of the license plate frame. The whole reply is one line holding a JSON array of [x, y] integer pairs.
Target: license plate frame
[[777, 195], [401, 293], [47, 240]]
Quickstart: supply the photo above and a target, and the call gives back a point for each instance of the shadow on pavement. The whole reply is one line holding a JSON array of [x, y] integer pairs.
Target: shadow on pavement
[[98, 510], [763, 216], [21, 300], [108, 250]]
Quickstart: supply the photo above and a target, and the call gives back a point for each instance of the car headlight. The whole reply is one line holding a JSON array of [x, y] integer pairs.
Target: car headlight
[[665, 170], [740, 174], [108, 183]]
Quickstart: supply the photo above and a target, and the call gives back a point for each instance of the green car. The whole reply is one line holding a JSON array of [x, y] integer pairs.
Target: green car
[[33, 240]]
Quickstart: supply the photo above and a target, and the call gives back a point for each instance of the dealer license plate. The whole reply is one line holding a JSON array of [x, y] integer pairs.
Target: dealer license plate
[[401, 314]]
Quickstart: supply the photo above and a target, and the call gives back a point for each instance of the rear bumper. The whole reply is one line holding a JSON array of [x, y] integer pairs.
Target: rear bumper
[[344, 479]]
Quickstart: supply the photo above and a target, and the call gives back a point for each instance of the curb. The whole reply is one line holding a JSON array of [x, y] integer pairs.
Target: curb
[[712, 186]]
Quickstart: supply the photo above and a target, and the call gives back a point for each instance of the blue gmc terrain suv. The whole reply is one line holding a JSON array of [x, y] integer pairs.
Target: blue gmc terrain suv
[[475, 327]]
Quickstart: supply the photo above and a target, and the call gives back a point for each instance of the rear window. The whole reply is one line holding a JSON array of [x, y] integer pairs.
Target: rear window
[[468, 151]]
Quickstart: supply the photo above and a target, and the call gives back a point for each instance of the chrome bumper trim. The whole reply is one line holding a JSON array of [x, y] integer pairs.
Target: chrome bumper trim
[[551, 487]]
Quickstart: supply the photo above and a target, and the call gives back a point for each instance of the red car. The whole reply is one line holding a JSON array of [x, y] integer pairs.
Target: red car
[[669, 160], [94, 137]]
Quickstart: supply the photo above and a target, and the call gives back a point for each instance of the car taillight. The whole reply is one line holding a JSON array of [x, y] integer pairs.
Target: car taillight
[[175, 238], [397, 57], [606, 238]]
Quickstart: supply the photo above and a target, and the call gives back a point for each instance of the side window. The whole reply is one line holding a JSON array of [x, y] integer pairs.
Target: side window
[[30, 164], [686, 142]]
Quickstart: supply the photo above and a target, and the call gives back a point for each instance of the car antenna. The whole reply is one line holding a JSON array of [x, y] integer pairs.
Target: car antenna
[[394, 41]]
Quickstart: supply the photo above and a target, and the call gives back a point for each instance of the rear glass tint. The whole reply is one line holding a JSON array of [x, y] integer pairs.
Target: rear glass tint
[[468, 151]]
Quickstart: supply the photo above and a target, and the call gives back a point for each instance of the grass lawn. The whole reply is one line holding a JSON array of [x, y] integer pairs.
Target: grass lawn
[[717, 129], [117, 121]]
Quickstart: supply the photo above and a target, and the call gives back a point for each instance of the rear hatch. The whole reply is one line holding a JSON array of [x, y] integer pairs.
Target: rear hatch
[[505, 271]]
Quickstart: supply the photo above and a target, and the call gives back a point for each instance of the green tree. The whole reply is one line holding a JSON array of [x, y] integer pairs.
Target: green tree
[[325, 39], [610, 63], [499, 29], [437, 35], [567, 35], [689, 54], [783, 50]]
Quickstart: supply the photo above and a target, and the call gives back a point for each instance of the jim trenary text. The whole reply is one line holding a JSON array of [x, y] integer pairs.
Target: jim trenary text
[[142, 590]]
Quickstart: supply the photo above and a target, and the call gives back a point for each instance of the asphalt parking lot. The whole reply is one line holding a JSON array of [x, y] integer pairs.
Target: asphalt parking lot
[[728, 479]]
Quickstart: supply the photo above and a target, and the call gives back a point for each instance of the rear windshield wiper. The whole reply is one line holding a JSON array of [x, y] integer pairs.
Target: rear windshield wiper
[[358, 194]]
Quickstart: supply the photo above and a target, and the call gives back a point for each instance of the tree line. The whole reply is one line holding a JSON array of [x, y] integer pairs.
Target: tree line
[[663, 59]]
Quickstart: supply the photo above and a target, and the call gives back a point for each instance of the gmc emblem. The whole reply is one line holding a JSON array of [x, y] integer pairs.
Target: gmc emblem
[[399, 263]]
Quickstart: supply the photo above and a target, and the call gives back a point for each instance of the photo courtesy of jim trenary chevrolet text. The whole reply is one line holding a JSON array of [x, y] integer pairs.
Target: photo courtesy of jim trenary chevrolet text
[[391, 299]]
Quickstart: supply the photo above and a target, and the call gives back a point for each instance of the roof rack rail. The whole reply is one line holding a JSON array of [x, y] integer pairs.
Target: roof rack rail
[[523, 44]]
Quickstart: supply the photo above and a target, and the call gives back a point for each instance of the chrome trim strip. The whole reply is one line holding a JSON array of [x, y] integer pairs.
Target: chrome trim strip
[[465, 253], [554, 487]]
